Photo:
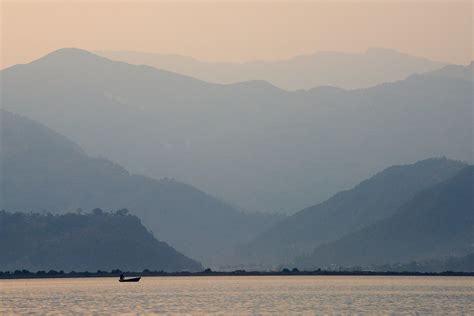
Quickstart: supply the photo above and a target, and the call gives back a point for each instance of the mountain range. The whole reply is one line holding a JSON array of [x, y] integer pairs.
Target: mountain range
[[250, 143], [343, 70], [43, 170], [374, 199], [437, 222], [253, 144]]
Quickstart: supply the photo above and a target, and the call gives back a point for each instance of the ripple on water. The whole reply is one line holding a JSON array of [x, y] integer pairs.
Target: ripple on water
[[241, 295]]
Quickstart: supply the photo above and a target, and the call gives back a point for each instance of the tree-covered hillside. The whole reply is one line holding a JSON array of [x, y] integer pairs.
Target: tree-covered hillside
[[84, 242]]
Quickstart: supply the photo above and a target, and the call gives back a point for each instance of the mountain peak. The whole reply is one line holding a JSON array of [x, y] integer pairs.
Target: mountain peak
[[69, 56], [70, 52]]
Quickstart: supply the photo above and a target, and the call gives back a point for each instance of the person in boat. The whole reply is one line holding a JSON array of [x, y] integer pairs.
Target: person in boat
[[122, 277]]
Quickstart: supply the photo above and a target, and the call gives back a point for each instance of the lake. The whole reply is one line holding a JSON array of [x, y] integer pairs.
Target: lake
[[242, 295]]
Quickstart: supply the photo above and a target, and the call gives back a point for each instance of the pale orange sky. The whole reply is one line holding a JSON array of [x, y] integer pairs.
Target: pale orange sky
[[237, 31]]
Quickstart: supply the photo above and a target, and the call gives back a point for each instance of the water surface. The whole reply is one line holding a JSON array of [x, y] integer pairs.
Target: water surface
[[241, 295]]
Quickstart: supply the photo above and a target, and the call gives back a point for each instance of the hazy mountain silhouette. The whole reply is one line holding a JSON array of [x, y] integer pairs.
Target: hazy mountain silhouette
[[86, 242], [348, 211], [437, 222], [41, 169], [455, 72], [250, 143], [344, 70]]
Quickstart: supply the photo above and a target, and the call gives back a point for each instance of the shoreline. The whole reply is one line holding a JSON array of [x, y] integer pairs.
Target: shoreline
[[115, 274]]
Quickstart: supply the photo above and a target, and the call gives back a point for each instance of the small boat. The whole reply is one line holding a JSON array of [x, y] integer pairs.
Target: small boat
[[122, 279]]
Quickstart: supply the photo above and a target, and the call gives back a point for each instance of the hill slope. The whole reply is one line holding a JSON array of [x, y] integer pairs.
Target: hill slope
[[43, 170], [84, 243], [250, 143], [348, 211], [301, 72], [437, 222]]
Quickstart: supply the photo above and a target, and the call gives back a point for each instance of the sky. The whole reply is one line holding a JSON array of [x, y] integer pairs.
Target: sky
[[237, 30]]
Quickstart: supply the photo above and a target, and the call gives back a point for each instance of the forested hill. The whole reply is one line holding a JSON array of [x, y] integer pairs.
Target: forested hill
[[84, 242]]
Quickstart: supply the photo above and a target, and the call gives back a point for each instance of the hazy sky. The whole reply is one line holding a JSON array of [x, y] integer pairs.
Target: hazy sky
[[237, 31]]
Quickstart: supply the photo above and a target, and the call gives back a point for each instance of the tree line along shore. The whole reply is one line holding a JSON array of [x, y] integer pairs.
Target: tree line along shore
[[25, 274]]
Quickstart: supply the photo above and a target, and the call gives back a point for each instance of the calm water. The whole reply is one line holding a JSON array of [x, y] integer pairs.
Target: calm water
[[241, 295]]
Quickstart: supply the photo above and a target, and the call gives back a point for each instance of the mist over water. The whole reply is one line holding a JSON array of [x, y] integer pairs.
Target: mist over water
[[242, 295]]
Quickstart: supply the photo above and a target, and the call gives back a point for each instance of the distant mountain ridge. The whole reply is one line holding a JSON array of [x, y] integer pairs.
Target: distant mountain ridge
[[456, 72], [438, 222], [344, 70], [251, 143], [84, 242], [348, 211], [42, 170]]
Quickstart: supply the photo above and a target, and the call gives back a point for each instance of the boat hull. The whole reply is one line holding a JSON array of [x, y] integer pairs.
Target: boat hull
[[130, 280]]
